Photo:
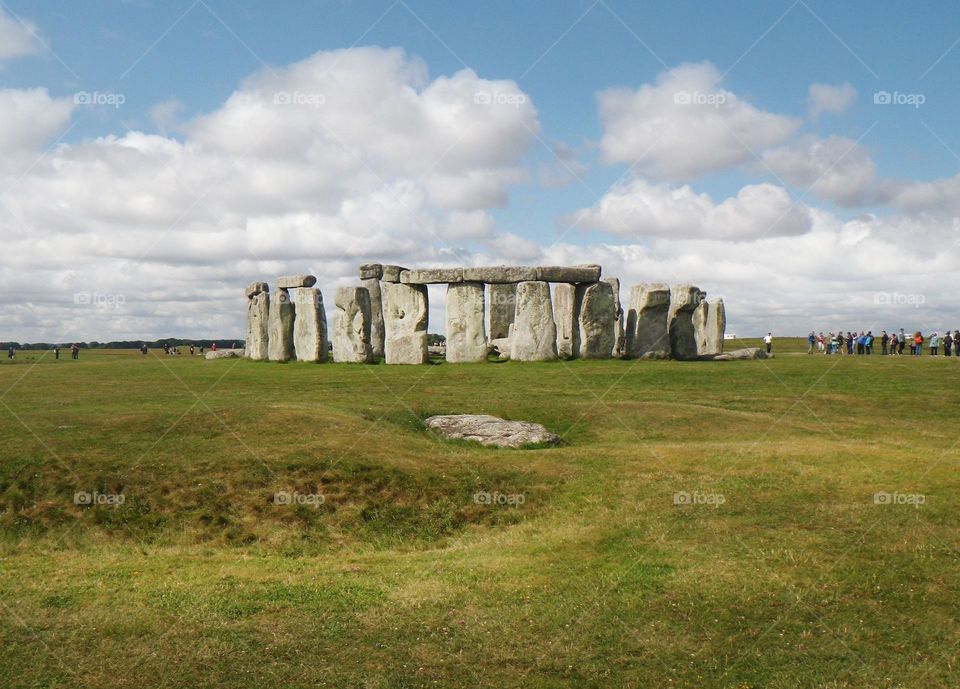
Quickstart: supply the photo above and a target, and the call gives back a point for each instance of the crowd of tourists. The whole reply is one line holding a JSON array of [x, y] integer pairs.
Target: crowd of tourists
[[890, 344]]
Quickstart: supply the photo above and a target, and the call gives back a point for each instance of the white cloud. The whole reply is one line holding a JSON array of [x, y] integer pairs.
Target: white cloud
[[17, 38], [823, 98], [641, 209], [685, 125], [29, 119], [834, 168]]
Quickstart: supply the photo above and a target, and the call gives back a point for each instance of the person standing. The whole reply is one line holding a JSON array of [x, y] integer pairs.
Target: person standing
[[893, 344], [74, 351], [840, 342], [56, 352], [934, 344], [902, 342], [811, 340], [956, 342], [918, 343], [768, 341], [11, 353], [884, 342], [947, 344]]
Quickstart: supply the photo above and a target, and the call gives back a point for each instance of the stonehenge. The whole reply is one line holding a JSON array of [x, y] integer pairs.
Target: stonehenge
[[351, 326], [525, 313]]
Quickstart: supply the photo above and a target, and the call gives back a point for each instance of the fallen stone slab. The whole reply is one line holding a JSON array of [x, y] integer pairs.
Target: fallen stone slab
[[500, 346], [291, 281], [371, 270], [500, 274], [739, 355], [392, 273], [491, 430], [255, 288], [590, 273], [224, 354], [431, 276]]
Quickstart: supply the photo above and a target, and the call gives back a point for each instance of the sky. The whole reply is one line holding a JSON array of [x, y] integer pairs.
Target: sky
[[798, 159]]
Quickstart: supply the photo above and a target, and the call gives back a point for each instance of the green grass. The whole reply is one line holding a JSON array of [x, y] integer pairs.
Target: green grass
[[396, 577]]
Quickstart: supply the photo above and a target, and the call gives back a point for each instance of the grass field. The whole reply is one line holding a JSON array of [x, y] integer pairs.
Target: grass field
[[780, 567]]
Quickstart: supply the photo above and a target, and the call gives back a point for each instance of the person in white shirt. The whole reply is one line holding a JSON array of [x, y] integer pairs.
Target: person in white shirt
[[768, 340]]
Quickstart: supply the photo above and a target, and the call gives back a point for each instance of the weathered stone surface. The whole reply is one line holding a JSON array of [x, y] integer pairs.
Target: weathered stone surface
[[224, 354], [466, 337], [565, 316], [500, 347], [310, 325], [586, 273], [646, 326], [376, 316], [499, 274], [684, 300], [619, 339], [502, 308], [351, 326], [533, 336], [431, 276], [291, 281], [491, 430], [371, 270], [255, 288], [405, 309], [280, 326], [737, 354], [596, 314], [258, 326], [392, 273], [716, 327], [700, 315]]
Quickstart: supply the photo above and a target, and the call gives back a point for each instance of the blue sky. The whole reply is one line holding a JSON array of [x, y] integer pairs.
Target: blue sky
[[560, 56]]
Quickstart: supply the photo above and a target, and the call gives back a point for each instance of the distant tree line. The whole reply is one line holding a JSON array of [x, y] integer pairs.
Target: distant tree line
[[126, 344]]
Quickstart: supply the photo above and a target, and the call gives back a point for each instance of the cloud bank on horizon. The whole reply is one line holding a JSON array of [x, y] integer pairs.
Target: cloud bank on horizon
[[359, 154]]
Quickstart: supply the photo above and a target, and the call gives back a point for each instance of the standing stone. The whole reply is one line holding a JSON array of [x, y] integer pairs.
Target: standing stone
[[466, 338], [646, 326], [258, 326], [533, 336], [282, 316], [310, 324], [716, 327], [619, 341], [351, 326], [684, 300], [700, 317], [405, 311], [503, 307], [376, 316], [392, 273], [565, 315], [596, 315]]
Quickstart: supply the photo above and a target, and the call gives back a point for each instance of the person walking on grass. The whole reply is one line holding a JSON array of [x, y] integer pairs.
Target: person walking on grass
[[768, 340], [934, 344]]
